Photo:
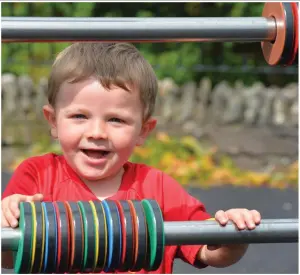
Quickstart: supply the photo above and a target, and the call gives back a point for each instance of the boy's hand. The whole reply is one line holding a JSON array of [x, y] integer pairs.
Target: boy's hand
[[242, 218], [228, 254], [10, 211]]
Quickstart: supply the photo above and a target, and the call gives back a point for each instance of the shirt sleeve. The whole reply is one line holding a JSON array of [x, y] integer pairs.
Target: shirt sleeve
[[24, 180], [179, 205]]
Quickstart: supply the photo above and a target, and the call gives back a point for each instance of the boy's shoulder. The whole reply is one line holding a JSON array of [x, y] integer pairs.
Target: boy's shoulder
[[42, 161]]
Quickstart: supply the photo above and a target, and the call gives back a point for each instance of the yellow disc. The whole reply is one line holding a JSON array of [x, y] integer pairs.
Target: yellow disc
[[105, 234], [43, 240], [96, 222], [34, 225]]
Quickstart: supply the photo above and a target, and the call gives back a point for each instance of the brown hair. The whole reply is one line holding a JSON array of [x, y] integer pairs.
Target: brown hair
[[119, 64]]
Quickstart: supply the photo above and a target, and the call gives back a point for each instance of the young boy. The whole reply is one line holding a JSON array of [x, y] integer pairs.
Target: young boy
[[101, 100]]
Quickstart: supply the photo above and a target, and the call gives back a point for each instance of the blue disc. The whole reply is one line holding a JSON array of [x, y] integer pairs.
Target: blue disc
[[116, 233], [110, 235], [55, 228], [120, 235], [46, 236], [52, 240]]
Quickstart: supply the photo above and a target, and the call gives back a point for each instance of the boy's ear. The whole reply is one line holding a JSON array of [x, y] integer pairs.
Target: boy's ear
[[147, 128], [49, 114]]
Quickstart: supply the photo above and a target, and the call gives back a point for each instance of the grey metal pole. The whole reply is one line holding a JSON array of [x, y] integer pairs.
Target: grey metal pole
[[10, 238], [209, 232], [216, 29], [203, 232]]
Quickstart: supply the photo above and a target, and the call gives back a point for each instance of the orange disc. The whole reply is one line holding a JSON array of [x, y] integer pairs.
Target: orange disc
[[135, 230], [272, 51], [72, 235]]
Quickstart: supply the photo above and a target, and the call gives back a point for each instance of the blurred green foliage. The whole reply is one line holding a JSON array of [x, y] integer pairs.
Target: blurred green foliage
[[174, 60]]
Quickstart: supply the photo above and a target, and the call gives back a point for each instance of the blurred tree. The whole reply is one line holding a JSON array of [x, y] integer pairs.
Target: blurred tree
[[176, 60]]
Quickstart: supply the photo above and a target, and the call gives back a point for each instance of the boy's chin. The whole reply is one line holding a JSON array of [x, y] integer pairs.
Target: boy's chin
[[93, 177]]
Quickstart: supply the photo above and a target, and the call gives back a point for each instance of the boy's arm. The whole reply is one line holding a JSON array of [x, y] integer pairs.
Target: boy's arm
[[225, 255], [23, 181], [179, 205], [221, 256]]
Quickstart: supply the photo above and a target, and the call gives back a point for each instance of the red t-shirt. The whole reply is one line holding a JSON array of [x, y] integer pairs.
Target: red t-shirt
[[54, 178]]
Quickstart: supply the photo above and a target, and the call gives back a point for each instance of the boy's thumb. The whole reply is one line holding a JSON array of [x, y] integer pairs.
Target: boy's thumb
[[37, 197]]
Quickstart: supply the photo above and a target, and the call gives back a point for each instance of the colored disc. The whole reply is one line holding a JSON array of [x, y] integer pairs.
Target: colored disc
[[89, 236], [96, 224], [71, 236], [294, 59], [58, 243], [155, 225], [123, 233], [50, 267], [22, 259], [34, 227], [102, 240], [287, 54], [110, 236], [63, 264], [39, 251], [46, 228], [273, 51], [128, 234], [135, 232], [142, 236], [116, 231], [78, 238]]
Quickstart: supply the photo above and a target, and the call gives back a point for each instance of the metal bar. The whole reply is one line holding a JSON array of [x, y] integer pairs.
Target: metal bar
[[209, 232], [203, 232], [10, 239], [163, 29]]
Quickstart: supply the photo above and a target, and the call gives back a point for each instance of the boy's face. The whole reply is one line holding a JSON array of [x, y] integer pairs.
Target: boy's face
[[97, 128]]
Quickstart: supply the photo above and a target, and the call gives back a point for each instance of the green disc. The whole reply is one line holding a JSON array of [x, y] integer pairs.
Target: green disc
[[22, 258], [85, 230], [152, 226], [155, 225]]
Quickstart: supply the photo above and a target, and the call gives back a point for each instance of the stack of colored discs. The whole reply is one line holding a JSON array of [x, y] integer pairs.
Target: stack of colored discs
[[90, 236]]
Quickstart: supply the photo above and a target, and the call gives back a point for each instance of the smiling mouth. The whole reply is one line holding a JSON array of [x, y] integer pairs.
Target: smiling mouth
[[96, 154]]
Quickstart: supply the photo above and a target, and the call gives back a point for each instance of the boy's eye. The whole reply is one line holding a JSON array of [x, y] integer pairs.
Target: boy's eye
[[79, 116], [114, 119]]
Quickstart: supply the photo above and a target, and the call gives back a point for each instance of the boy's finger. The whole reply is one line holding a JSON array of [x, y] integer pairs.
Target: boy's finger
[[221, 217], [238, 219], [248, 218], [37, 197], [14, 208], [4, 222], [256, 216], [13, 222]]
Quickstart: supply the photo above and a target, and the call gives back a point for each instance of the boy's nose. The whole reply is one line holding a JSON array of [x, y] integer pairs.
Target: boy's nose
[[97, 132]]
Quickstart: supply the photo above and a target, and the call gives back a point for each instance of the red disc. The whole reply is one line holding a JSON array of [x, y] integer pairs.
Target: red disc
[[273, 51], [58, 235], [135, 230], [123, 230], [72, 236], [296, 35]]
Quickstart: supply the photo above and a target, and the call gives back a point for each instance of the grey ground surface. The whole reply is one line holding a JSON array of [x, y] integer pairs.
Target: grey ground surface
[[260, 258]]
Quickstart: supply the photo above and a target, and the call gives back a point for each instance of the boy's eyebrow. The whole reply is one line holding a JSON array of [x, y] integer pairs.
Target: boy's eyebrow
[[75, 110]]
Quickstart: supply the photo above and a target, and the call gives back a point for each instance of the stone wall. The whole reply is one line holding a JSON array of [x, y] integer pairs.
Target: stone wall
[[240, 120]]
